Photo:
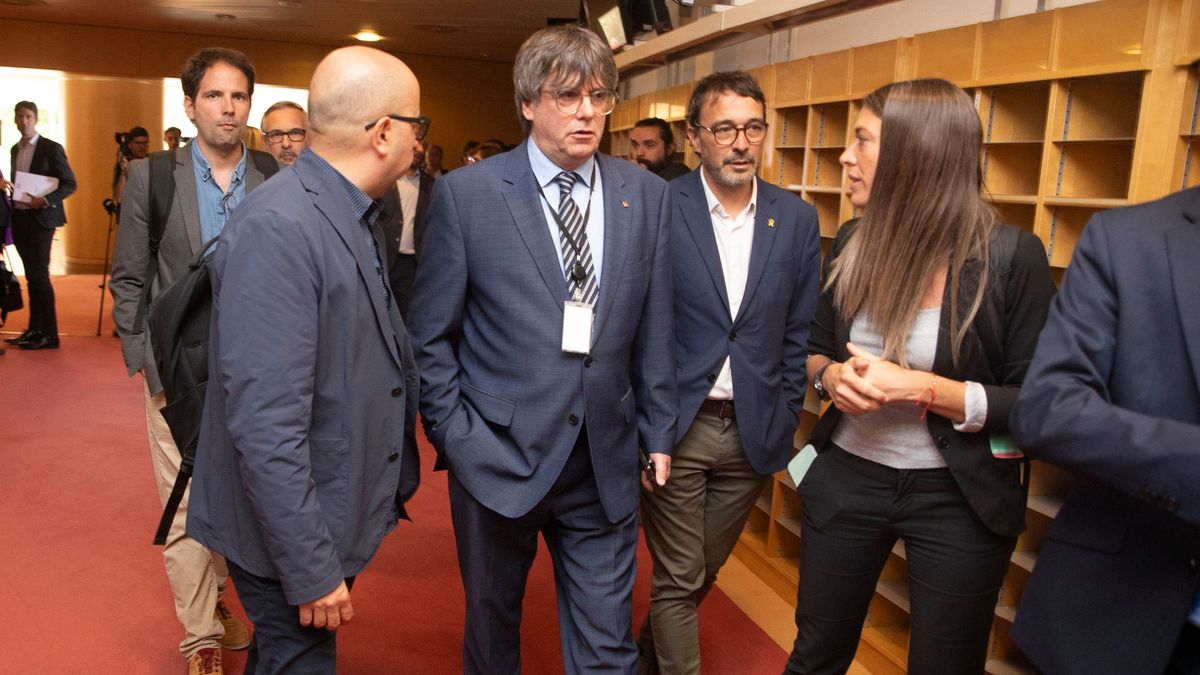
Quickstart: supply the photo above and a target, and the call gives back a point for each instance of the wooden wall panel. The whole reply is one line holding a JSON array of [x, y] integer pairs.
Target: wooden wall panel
[[830, 75], [948, 54], [1102, 36], [1017, 48]]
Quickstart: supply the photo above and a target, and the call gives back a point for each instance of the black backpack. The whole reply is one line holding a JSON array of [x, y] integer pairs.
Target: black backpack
[[178, 326]]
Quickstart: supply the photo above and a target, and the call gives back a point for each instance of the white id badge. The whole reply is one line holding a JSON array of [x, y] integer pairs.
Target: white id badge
[[577, 327]]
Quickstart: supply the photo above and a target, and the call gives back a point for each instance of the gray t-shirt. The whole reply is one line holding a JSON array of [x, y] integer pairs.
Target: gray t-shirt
[[894, 435]]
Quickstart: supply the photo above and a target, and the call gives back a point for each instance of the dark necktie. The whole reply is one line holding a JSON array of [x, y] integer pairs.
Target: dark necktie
[[572, 224]]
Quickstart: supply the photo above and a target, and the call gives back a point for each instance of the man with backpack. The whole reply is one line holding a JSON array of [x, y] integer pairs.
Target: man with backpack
[[175, 203]]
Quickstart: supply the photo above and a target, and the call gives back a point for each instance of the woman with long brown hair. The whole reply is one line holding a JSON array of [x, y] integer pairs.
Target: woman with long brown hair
[[929, 314]]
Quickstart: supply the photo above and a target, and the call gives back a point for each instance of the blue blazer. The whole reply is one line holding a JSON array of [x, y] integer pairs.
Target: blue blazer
[[500, 400], [305, 457], [1114, 395], [768, 342]]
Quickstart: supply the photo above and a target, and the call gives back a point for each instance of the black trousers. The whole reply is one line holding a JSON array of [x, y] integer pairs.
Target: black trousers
[[280, 643], [404, 272], [33, 245], [854, 510]]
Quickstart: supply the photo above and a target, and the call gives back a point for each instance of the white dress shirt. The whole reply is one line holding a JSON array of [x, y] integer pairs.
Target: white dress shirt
[[410, 191], [545, 171], [735, 236]]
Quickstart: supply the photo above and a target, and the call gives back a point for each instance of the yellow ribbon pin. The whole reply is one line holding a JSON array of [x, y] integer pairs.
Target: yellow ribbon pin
[[624, 203], [770, 222]]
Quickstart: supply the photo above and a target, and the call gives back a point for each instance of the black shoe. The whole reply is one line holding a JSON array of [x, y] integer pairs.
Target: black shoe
[[23, 337], [40, 342]]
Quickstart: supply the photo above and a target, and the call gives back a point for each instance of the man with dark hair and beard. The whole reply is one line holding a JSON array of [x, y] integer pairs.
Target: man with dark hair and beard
[[652, 145], [746, 262]]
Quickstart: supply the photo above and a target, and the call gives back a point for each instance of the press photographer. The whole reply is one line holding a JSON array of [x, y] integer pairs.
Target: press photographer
[[134, 144]]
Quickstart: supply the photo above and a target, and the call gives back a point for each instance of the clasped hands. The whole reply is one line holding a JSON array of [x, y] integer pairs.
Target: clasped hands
[[866, 382]]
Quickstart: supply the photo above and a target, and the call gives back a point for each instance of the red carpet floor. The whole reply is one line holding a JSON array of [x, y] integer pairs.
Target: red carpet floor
[[84, 590]]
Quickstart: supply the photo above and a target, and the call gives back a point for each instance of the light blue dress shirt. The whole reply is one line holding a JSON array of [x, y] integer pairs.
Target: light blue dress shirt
[[545, 171], [215, 204]]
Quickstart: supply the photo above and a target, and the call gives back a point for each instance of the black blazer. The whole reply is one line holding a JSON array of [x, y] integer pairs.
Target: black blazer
[[49, 159], [1114, 395], [391, 218], [995, 353]]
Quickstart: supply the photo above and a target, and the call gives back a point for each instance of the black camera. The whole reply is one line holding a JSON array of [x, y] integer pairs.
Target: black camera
[[122, 139]]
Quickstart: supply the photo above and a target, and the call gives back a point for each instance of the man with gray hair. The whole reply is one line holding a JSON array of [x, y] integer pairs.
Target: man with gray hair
[[284, 127], [542, 324], [305, 457]]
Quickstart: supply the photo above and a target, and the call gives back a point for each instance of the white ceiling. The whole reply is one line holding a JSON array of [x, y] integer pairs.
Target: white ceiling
[[490, 30]]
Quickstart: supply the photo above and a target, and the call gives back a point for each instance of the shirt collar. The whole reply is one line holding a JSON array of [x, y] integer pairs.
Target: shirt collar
[[714, 205], [360, 202], [546, 171], [32, 141], [206, 169]]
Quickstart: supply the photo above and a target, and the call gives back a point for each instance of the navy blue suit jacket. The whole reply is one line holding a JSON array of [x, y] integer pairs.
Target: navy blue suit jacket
[[303, 463], [767, 344], [500, 400], [1114, 395], [49, 159]]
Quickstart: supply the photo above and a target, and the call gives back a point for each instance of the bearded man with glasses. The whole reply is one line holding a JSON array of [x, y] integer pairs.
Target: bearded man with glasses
[[542, 324], [284, 127]]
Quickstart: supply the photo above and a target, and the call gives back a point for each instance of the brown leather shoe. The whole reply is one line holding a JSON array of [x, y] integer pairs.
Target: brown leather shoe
[[236, 635], [206, 662]]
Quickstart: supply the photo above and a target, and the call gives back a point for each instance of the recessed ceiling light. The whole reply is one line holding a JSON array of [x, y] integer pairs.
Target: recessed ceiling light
[[224, 17], [367, 35]]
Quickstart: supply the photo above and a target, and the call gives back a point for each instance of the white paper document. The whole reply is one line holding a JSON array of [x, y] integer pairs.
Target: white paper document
[[27, 185]]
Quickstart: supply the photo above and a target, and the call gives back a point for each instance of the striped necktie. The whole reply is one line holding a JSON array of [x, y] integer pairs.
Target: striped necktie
[[573, 225]]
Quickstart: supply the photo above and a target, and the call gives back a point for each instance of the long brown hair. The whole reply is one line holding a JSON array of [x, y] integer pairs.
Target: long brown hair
[[925, 210]]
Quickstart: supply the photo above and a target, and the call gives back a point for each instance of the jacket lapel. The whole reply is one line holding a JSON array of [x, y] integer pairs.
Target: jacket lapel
[[694, 206], [765, 219], [336, 210], [1183, 247], [618, 223], [185, 195], [521, 196]]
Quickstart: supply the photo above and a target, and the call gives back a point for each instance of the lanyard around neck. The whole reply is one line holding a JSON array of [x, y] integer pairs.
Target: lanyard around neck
[[577, 272]]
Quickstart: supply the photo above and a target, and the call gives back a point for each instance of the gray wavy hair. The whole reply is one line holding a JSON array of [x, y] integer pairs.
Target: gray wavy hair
[[562, 57]]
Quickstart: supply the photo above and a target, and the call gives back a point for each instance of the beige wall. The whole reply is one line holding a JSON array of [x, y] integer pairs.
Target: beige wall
[[113, 83]]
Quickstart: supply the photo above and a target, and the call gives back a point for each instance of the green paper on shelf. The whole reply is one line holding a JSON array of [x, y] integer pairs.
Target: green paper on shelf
[[799, 465], [1004, 447]]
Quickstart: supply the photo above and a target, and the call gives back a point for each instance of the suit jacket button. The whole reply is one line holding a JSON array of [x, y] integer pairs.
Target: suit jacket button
[[943, 442], [393, 457], [573, 420], [712, 379], [732, 336], [587, 362], [397, 392]]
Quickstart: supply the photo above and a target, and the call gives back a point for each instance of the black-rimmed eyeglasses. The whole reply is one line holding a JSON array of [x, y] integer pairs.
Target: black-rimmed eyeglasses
[[293, 135], [726, 134], [420, 124]]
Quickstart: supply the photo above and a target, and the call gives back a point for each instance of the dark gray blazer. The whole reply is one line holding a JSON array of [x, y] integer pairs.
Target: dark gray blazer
[[304, 460], [1114, 395], [500, 400], [768, 342], [180, 245], [49, 159]]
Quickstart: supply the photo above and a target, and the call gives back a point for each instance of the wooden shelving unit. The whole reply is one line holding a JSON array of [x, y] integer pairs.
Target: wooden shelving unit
[[1083, 108]]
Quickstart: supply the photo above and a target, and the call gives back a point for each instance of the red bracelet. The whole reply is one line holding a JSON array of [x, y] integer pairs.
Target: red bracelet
[[922, 403]]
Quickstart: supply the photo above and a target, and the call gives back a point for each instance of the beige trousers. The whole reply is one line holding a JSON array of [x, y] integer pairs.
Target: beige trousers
[[197, 576], [691, 526]]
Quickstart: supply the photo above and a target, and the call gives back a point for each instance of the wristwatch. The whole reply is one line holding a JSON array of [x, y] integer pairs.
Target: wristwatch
[[819, 384]]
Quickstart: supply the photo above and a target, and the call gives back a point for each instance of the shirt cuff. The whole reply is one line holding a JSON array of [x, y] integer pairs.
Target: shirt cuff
[[975, 405]]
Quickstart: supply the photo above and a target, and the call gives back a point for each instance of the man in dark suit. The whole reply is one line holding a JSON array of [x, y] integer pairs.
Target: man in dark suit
[[542, 323], [404, 210], [746, 257], [212, 176], [303, 465], [34, 221], [1113, 394]]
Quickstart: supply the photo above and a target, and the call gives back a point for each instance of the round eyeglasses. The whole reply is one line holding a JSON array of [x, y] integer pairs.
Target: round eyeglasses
[[726, 134], [568, 101]]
